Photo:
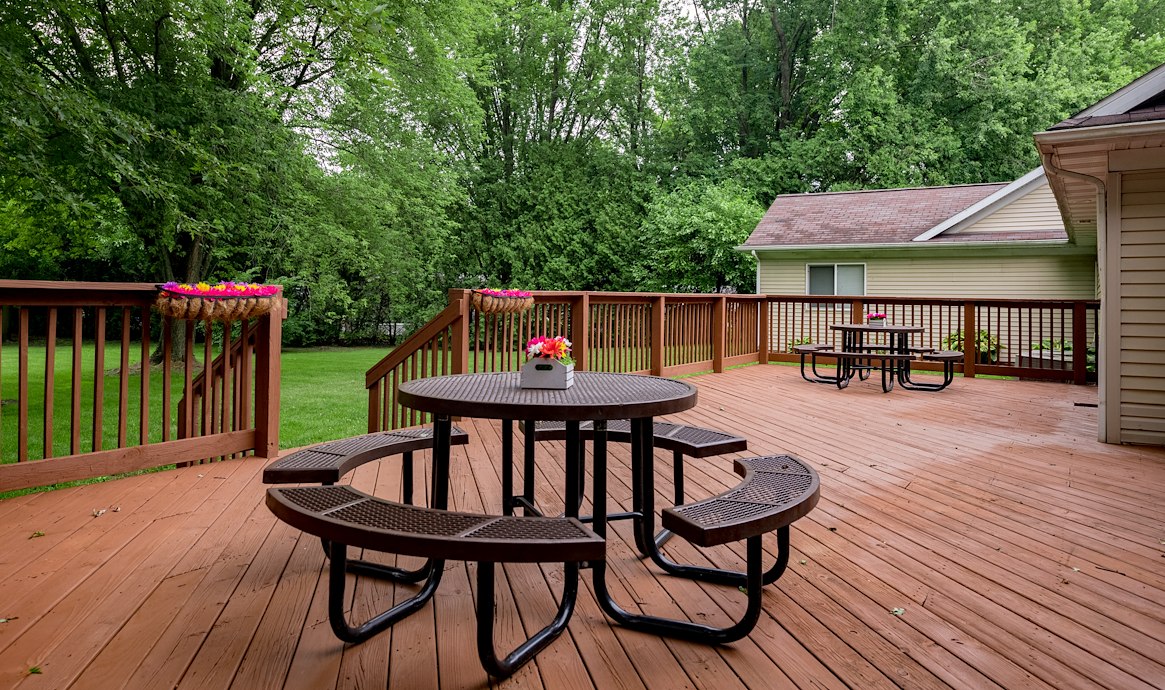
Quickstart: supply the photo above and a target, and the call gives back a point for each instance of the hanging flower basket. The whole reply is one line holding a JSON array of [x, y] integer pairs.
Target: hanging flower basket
[[501, 301], [225, 301]]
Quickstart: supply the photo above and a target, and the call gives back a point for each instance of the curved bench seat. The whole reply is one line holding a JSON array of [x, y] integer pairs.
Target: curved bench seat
[[343, 516], [327, 463], [776, 491]]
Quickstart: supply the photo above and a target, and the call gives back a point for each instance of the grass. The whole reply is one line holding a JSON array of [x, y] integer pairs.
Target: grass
[[322, 393]]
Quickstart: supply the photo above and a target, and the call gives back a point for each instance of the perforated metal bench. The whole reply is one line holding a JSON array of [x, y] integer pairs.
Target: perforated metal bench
[[776, 491], [342, 517], [809, 350], [681, 439], [327, 463]]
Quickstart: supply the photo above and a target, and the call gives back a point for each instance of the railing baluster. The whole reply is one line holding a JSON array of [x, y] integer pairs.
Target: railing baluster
[[144, 402], [75, 412], [123, 382], [99, 381], [22, 391], [50, 368]]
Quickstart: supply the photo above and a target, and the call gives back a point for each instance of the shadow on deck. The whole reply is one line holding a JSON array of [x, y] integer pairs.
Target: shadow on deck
[[1016, 550]]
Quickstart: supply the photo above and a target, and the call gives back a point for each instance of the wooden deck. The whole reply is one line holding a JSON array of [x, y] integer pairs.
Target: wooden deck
[[1019, 551]]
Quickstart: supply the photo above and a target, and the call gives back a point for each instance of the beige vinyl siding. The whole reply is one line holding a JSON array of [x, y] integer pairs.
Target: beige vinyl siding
[[1020, 277], [1036, 210], [1142, 308]]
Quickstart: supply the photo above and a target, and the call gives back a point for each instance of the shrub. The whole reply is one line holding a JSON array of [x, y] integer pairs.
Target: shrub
[[988, 345]]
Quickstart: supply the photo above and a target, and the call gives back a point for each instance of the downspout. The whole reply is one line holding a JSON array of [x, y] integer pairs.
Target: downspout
[[757, 261], [1108, 420], [1095, 181]]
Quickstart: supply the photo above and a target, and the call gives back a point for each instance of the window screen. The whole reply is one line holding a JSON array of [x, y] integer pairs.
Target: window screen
[[837, 279], [821, 280]]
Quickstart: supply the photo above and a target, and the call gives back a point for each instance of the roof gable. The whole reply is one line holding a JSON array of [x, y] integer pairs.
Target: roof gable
[[994, 204]]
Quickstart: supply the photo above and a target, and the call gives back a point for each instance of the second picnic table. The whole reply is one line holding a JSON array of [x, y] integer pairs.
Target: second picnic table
[[895, 354]]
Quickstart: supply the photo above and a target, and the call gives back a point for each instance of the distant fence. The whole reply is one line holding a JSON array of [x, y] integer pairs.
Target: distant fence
[[675, 334]]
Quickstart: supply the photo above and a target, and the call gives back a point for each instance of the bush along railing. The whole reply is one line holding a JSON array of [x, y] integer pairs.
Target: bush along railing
[[96, 405], [675, 334]]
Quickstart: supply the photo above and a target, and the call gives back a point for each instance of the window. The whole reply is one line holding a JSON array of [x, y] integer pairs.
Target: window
[[836, 279]]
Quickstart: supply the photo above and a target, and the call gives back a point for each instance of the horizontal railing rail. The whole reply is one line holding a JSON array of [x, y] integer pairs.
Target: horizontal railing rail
[[676, 334], [104, 401]]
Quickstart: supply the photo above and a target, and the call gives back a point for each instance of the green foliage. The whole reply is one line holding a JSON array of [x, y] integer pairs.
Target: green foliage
[[370, 156], [689, 236], [986, 344]]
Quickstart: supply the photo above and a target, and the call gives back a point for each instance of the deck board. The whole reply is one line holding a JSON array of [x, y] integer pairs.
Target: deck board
[[1023, 552]]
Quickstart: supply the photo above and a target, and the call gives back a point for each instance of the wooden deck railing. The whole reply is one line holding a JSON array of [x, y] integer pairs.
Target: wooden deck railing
[[675, 334], [113, 411]]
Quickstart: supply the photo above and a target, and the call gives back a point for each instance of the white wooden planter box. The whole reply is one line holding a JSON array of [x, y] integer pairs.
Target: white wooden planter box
[[546, 373]]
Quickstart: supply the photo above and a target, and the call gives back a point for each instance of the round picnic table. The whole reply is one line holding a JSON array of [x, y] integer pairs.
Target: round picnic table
[[595, 396]]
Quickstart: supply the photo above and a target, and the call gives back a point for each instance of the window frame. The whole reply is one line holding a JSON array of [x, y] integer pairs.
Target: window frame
[[834, 266]]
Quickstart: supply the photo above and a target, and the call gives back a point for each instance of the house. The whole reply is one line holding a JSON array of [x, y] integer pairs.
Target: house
[[1106, 168], [980, 240]]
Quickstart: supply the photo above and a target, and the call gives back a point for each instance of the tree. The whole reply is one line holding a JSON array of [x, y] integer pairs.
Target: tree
[[689, 237]]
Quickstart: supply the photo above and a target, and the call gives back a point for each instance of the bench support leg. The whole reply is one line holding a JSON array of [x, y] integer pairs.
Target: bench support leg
[[948, 377], [728, 577], [337, 586], [504, 668], [688, 630], [406, 477], [384, 572], [677, 472]]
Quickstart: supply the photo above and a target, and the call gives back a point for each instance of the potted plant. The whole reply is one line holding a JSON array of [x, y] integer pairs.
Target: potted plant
[[876, 318], [987, 345], [550, 364]]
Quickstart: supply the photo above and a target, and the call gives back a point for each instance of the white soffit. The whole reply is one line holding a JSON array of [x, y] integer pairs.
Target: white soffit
[[988, 205]]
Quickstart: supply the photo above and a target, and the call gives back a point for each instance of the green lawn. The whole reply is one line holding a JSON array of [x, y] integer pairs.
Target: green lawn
[[323, 395]]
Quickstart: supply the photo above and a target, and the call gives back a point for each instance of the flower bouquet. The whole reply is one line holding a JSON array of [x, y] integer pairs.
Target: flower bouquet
[[489, 301], [876, 318], [550, 364], [225, 301]]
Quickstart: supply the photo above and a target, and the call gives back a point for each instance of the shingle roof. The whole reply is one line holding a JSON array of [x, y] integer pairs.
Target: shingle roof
[[890, 216], [1145, 113]]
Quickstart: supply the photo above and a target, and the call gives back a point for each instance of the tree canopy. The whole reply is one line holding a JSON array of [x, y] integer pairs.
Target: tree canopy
[[370, 155]]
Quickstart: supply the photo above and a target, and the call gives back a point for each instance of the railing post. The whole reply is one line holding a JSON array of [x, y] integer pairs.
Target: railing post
[[460, 354], [657, 335], [267, 352], [1079, 343], [374, 407], [719, 333], [580, 328], [857, 311], [765, 308], [970, 341]]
